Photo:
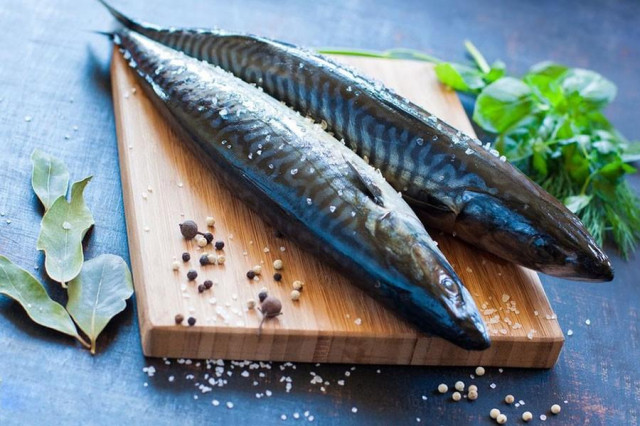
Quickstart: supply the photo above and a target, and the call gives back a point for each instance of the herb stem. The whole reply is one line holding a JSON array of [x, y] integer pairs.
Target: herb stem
[[387, 54], [477, 57]]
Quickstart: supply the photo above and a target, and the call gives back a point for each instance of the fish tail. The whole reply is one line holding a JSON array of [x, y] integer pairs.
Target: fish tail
[[123, 19]]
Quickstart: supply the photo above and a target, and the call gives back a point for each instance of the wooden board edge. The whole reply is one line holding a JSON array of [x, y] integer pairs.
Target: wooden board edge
[[127, 198]]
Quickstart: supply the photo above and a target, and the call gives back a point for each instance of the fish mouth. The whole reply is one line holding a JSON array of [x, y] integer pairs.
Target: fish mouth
[[550, 240], [589, 266], [468, 330], [452, 312]]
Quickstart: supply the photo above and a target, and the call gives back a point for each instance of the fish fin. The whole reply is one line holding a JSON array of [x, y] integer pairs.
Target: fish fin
[[109, 34], [431, 204], [372, 190]]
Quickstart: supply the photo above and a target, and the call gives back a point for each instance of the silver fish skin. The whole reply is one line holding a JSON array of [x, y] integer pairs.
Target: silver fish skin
[[310, 186], [455, 183]]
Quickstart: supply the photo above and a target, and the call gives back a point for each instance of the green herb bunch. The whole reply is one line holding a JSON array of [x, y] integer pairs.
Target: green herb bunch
[[549, 123]]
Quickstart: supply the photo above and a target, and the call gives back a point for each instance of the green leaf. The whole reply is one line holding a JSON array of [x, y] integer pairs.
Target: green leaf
[[99, 293], [63, 228], [548, 69], [459, 77], [575, 203], [575, 162], [614, 170], [22, 287], [540, 158], [50, 178], [502, 104], [498, 69], [590, 86]]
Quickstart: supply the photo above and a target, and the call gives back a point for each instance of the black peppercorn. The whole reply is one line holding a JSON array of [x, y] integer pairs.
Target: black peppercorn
[[191, 321], [262, 295], [188, 229], [201, 288], [270, 307], [219, 245], [179, 318], [186, 257], [250, 274], [277, 276], [192, 275], [208, 284], [204, 259], [208, 236]]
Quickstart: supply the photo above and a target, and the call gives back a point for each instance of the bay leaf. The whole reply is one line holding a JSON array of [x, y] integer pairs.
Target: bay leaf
[[49, 179], [99, 293], [25, 289], [62, 230]]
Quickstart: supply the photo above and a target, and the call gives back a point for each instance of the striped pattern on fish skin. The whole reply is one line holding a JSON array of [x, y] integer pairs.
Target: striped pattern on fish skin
[[303, 181], [456, 184]]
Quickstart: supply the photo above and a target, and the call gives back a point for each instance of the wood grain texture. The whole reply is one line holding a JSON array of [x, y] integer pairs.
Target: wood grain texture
[[164, 184]]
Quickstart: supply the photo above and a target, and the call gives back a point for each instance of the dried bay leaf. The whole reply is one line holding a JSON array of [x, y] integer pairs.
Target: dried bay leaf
[[25, 289], [49, 179], [63, 228], [99, 293]]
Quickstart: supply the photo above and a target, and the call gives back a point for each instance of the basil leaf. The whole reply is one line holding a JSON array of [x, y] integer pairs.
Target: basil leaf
[[590, 86], [98, 293], [576, 203], [22, 287], [548, 69], [49, 179], [63, 228], [459, 77], [502, 104], [498, 69]]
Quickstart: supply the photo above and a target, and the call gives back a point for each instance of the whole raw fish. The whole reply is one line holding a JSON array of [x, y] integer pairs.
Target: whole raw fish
[[309, 185], [456, 184]]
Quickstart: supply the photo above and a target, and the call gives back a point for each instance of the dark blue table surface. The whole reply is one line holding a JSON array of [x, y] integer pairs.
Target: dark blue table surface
[[54, 69]]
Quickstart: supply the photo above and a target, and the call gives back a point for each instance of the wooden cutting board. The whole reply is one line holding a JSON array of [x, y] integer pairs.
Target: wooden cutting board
[[164, 184]]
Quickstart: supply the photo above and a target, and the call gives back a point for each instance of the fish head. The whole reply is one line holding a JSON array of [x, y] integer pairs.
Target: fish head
[[415, 259], [551, 239]]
